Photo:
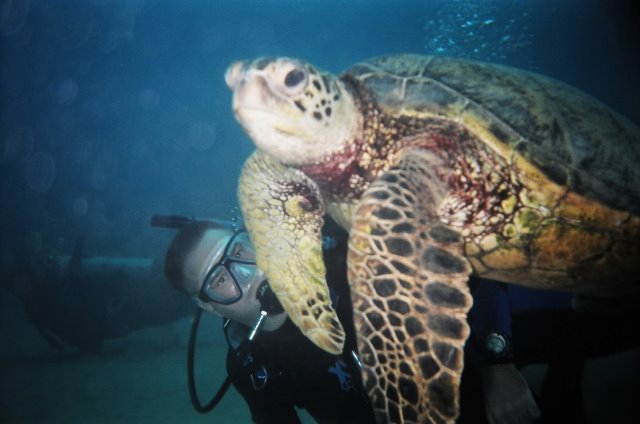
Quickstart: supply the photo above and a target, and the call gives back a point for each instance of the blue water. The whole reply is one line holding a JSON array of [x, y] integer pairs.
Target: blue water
[[115, 110]]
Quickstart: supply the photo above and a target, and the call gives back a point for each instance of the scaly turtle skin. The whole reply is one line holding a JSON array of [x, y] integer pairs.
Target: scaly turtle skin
[[438, 168]]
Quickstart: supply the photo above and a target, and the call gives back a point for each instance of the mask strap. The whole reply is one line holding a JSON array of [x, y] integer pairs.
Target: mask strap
[[178, 221]]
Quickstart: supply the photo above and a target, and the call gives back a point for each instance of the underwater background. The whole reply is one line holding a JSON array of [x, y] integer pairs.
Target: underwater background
[[113, 111]]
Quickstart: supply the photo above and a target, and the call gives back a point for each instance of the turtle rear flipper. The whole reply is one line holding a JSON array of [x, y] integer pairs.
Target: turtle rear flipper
[[283, 211], [408, 281]]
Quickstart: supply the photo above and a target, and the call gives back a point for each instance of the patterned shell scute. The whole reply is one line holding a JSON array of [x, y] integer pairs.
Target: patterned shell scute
[[558, 129]]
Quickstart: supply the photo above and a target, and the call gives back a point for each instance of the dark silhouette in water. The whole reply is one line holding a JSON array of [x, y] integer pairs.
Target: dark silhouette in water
[[86, 301]]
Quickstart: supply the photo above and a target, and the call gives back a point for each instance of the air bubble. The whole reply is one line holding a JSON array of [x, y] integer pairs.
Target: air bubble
[[66, 91], [40, 172], [80, 206], [202, 135]]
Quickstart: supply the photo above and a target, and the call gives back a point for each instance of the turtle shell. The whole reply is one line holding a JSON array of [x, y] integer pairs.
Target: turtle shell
[[571, 138]]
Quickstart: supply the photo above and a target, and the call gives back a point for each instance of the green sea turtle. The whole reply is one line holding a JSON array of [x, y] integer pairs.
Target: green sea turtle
[[438, 168]]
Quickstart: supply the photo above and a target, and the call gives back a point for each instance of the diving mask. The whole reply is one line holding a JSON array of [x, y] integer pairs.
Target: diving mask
[[224, 282]]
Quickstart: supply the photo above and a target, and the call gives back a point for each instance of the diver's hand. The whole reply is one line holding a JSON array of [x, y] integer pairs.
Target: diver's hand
[[507, 397]]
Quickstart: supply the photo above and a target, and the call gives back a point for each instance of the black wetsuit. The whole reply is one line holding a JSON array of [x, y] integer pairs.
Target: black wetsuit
[[544, 328], [299, 374]]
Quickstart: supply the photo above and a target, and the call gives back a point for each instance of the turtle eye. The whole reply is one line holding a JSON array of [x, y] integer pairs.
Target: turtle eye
[[294, 77], [289, 78]]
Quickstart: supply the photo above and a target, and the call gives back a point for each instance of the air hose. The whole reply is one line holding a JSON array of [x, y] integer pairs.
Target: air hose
[[195, 400], [193, 394]]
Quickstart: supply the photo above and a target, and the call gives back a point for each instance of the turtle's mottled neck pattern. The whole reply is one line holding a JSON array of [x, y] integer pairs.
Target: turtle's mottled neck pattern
[[462, 163], [345, 174]]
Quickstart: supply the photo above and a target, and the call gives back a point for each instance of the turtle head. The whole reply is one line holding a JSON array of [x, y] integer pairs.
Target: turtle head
[[291, 110]]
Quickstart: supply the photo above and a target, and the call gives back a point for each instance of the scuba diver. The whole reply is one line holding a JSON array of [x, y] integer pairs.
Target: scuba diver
[[269, 361], [278, 368]]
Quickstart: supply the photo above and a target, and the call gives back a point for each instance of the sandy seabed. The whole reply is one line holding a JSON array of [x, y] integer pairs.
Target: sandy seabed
[[142, 379]]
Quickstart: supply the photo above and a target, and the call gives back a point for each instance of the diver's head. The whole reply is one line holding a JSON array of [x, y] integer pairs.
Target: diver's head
[[216, 267]]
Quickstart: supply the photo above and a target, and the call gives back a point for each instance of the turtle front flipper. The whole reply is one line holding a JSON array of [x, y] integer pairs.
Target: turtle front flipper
[[283, 210], [410, 296]]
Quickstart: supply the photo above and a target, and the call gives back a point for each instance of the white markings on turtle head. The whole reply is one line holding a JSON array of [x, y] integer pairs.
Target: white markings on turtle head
[[291, 110]]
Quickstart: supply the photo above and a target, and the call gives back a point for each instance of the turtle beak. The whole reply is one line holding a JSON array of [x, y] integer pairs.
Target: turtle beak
[[235, 74]]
